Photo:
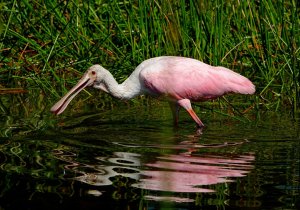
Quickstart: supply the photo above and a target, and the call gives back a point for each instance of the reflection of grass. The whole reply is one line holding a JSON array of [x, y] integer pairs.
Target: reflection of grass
[[43, 43], [22, 114]]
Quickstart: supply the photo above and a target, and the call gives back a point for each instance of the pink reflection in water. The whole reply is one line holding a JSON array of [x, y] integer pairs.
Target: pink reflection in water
[[169, 173], [168, 198], [179, 173]]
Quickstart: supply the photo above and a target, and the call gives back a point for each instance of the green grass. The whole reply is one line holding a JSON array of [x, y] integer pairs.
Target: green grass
[[48, 44]]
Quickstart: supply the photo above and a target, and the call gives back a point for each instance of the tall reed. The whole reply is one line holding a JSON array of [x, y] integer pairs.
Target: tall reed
[[47, 44]]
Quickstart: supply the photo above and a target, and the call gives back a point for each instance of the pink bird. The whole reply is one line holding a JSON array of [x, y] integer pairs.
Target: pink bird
[[178, 79]]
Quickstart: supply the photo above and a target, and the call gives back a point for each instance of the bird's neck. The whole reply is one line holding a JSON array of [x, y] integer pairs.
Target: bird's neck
[[129, 89]]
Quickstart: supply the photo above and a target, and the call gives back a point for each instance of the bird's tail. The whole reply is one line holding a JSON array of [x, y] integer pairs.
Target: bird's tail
[[243, 87], [236, 83]]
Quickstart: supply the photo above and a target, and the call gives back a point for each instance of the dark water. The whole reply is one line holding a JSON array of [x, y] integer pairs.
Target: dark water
[[133, 158]]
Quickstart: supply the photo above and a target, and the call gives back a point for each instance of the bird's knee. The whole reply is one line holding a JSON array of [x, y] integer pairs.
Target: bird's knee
[[185, 103]]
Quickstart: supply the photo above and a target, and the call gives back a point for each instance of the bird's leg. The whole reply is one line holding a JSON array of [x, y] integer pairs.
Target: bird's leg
[[186, 104], [175, 112]]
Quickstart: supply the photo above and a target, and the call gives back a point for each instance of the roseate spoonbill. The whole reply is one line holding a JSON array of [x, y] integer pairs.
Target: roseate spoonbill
[[178, 79]]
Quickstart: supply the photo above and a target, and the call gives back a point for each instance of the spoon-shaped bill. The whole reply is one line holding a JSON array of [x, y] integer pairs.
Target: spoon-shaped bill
[[62, 104]]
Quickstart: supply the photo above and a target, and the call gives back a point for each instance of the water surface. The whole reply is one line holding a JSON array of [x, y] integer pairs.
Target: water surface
[[131, 157]]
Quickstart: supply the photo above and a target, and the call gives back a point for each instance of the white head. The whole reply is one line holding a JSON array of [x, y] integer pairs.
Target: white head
[[92, 77]]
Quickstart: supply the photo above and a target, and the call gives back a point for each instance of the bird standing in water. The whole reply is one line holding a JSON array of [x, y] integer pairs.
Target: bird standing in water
[[178, 79]]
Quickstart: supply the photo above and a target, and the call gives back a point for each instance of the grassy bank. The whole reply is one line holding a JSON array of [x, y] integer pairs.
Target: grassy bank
[[47, 44]]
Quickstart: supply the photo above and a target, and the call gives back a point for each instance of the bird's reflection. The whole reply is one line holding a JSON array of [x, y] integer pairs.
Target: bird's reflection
[[183, 172], [180, 173]]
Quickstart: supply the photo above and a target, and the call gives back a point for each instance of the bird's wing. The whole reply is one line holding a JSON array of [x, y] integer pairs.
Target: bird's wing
[[192, 79]]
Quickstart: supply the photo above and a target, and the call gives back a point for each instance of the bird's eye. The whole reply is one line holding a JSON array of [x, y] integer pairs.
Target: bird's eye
[[93, 73]]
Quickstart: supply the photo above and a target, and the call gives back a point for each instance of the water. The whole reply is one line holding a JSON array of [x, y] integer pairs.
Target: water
[[132, 158]]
